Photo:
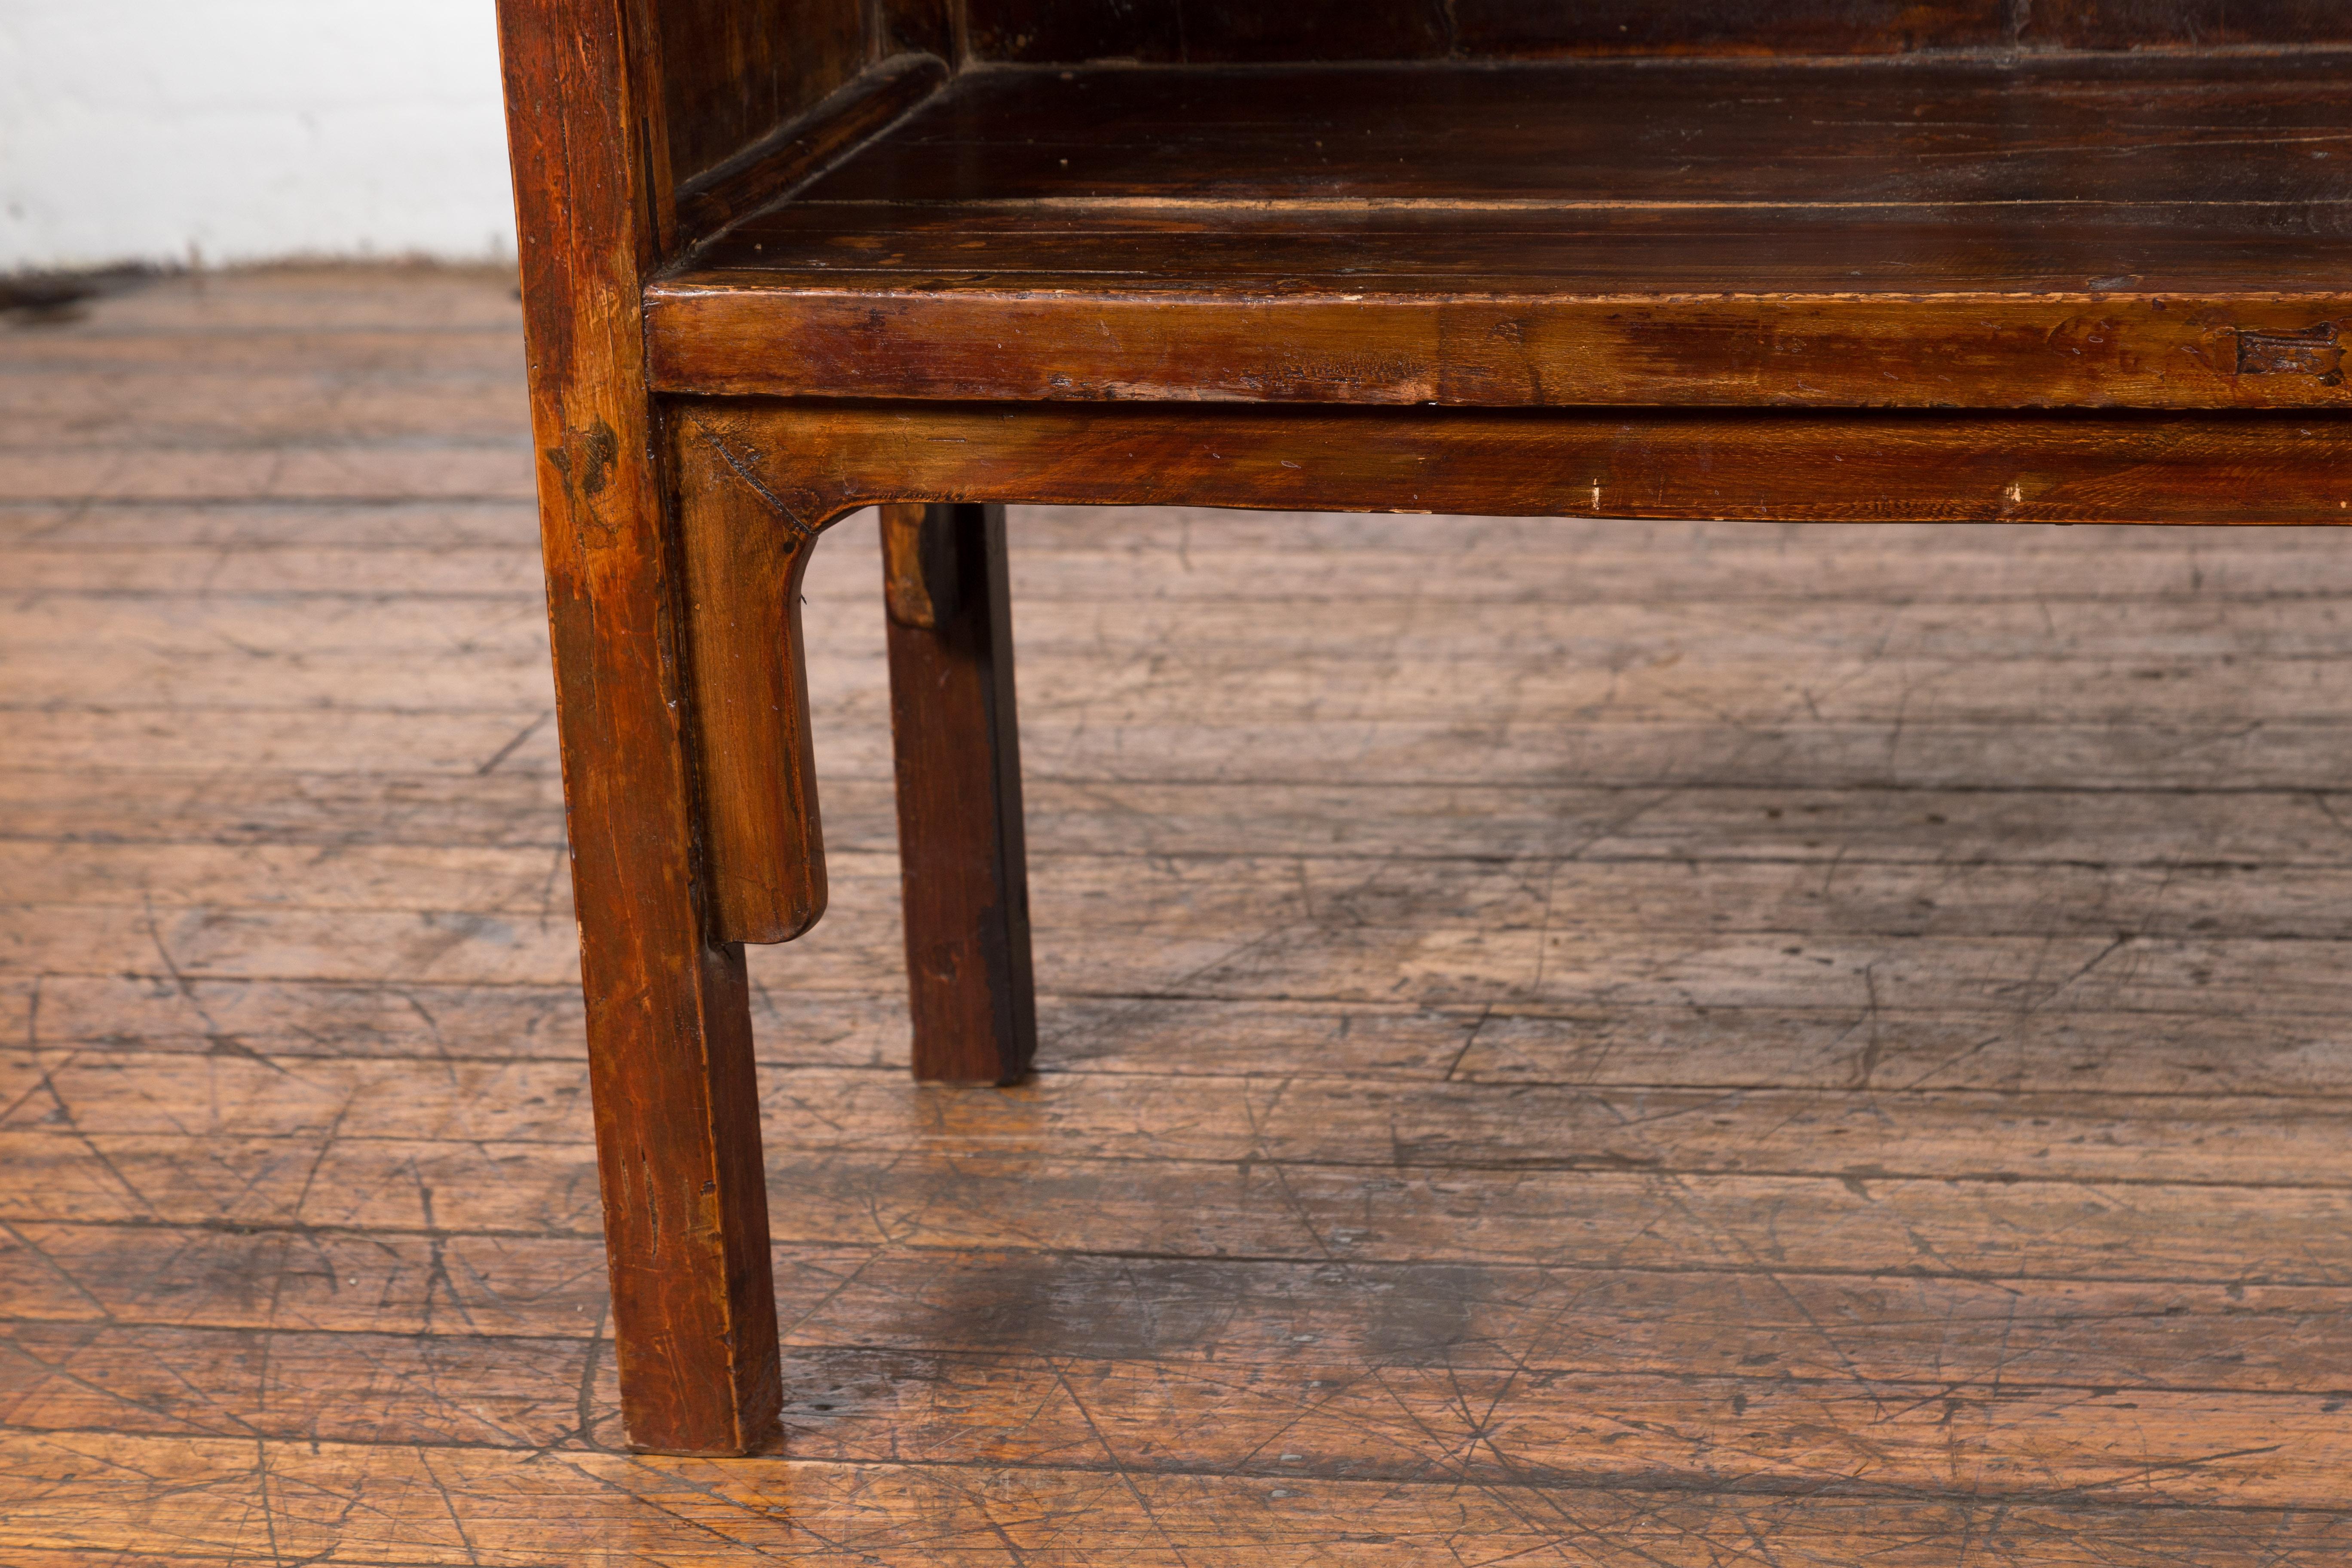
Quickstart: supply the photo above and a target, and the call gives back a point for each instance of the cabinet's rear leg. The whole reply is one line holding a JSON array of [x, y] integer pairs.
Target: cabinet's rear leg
[[960, 841]]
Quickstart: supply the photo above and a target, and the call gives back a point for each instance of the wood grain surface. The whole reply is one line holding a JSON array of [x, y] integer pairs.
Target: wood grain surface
[[2149, 229], [1209, 31], [731, 74], [762, 843], [772, 165], [956, 738], [817, 462], [1587, 1039], [667, 1005]]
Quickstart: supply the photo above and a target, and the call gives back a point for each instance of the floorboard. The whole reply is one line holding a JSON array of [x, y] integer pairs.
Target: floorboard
[[1604, 1043]]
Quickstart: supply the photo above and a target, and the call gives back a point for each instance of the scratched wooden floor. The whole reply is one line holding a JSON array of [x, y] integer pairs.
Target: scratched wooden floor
[[1585, 1042]]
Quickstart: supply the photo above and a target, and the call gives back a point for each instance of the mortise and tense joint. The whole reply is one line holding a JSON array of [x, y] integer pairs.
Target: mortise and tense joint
[[2315, 351]]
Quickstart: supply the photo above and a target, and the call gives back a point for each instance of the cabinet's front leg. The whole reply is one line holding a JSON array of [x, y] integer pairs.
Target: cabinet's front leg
[[668, 1013], [669, 1029], [960, 852]]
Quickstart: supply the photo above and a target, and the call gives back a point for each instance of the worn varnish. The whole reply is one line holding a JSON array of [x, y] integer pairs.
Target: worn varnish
[[667, 1013], [1847, 1067], [1844, 260], [732, 74], [2079, 230], [1227, 31], [816, 461], [761, 837], [766, 168], [955, 739]]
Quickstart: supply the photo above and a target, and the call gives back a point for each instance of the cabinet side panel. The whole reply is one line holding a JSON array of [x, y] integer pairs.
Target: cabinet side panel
[[1537, 28], [1221, 31], [731, 72], [2183, 24], [915, 27], [1203, 32]]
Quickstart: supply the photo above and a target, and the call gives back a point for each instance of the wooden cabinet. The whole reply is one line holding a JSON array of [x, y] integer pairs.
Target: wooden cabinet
[[2078, 261]]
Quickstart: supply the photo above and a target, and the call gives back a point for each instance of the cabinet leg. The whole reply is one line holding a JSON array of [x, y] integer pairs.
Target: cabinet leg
[[960, 850], [669, 1024]]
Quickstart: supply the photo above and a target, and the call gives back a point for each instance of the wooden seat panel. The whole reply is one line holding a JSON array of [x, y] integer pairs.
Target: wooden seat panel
[[2160, 231]]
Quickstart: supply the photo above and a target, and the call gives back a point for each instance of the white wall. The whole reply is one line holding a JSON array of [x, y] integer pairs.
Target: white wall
[[228, 131]]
